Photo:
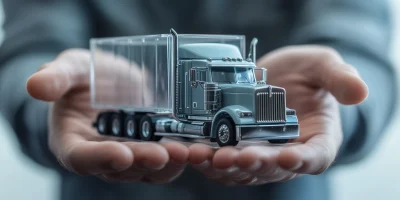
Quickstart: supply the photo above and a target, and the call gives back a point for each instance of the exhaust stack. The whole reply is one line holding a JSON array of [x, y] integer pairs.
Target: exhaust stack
[[174, 85], [252, 50]]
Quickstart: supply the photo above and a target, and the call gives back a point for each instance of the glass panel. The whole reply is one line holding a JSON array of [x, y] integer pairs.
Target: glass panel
[[134, 73]]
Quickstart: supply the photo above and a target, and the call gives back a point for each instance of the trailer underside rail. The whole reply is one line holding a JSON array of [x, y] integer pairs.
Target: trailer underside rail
[[181, 135]]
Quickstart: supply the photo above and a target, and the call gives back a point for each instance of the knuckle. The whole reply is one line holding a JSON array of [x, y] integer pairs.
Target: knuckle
[[328, 52], [326, 56], [69, 52]]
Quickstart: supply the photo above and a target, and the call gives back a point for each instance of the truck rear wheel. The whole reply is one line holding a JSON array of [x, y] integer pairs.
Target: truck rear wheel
[[225, 133], [116, 124], [103, 125], [146, 129], [130, 125]]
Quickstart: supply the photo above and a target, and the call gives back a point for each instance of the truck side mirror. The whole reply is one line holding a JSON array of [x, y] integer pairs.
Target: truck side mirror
[[263, 75]]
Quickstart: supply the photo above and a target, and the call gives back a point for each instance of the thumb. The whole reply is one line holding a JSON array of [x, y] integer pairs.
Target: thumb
[[343, 81], [53, 80], [319, 67]]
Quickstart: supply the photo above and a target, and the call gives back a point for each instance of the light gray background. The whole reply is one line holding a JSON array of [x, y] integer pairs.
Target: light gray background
[[374, 178]]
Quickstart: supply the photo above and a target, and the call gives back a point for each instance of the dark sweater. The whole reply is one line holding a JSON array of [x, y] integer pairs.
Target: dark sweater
[[37, 30]]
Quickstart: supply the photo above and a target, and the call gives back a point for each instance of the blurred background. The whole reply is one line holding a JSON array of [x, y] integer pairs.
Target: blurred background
[[373, 178]]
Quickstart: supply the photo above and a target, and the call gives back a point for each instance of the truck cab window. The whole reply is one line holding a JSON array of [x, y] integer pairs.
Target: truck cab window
[[245, 75], [223, 74]]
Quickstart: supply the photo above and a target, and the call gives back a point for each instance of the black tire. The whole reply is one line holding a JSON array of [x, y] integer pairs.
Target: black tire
[[225, 133], [103, 124], [116, 125], [280, 141], [130, 130], [146, 130]]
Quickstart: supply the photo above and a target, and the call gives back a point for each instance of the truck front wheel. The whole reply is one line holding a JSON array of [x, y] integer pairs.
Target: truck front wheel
[[225, 133]]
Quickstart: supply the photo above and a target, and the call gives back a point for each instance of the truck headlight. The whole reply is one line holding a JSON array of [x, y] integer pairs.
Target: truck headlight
[[244, 113]]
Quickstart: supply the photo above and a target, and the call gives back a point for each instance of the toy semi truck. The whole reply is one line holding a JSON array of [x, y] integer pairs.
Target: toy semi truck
[[192, 86]]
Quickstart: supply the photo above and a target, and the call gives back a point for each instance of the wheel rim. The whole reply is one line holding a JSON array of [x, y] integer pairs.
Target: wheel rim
[[130, 128], [145, 129], [116, 126], [102, 124], [223, 133]]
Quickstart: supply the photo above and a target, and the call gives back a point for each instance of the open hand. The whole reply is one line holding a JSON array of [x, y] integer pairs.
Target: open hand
[[64, 83], [316, 80]]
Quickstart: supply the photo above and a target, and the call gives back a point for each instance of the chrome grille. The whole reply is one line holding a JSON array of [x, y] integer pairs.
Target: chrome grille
[[271, 107]]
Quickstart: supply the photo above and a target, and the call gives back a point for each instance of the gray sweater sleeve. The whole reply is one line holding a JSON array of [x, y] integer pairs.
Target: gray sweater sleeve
[[360, 31], [35, 32]]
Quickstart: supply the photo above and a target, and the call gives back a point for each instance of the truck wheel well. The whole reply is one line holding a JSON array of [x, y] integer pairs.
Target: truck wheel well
[[216, 119]]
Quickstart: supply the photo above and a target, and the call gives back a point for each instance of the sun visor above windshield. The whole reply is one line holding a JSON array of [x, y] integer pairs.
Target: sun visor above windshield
[[208, 50]]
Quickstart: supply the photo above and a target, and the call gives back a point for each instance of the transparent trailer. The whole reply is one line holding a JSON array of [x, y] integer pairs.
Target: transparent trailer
[[192, 86]]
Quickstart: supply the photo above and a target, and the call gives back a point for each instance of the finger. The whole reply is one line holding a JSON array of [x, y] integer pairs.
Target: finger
[[148, 155], [199, 153], [154, 173], [225, 157], [343, 81], [92, 158], [56, 78], [249, 158], [262, 163], [313, 157], [179, 155], [258, 159], [322, 67], [200, 156]]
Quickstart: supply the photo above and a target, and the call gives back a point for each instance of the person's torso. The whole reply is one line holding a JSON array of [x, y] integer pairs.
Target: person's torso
[[268, 20]]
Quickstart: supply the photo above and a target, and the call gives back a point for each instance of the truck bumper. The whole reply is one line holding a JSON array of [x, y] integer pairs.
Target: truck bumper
[[267, 132]]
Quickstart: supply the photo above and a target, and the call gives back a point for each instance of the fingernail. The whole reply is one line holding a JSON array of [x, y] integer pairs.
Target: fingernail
[[255, 166], [297, 166]]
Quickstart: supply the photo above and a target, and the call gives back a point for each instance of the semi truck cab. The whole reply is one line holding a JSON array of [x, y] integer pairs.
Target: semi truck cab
[[218, 86]]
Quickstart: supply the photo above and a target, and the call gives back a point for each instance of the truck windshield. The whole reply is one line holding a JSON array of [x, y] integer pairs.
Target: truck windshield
[[232, 75]]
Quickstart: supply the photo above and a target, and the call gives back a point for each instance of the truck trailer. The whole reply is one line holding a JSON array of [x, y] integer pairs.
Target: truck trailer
[[186, 85]]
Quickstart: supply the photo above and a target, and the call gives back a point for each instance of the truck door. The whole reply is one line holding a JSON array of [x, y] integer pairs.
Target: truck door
[[197, 96]]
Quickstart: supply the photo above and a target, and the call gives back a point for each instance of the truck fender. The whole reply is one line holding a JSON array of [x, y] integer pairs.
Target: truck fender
[[231, 112]]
